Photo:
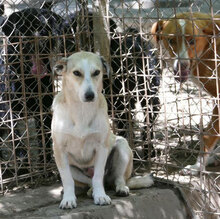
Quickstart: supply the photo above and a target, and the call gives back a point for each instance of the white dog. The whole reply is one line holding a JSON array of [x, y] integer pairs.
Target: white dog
[[85, 149]]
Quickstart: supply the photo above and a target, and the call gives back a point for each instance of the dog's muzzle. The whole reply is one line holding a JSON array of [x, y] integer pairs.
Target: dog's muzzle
[[181, 70], [89, 96]]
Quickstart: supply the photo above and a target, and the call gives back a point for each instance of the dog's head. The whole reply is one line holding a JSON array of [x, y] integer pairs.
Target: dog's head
[[186, 37], [82, 75]]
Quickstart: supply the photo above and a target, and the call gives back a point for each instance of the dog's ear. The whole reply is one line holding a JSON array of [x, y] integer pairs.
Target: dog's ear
[[106, 67], [156, 29], [212, 28], [60, 66]]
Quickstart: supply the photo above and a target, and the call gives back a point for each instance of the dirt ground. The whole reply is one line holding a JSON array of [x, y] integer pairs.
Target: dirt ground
[[159, 201]]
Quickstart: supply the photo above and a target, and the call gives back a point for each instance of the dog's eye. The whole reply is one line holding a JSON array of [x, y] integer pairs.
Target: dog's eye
[[191, 41], [172, 41], [77, 73], [96, 73]]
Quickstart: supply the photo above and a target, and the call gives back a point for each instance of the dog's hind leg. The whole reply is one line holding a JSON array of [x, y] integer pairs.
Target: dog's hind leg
[[210, 139], [122, 164], [79, 176]]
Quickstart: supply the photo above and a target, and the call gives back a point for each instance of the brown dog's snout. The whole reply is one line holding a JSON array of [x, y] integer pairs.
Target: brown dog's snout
[[181, 65], [89, 96], [181, 70]]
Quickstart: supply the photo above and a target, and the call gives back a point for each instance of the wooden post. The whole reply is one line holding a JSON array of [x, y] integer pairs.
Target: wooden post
[[101, 29]]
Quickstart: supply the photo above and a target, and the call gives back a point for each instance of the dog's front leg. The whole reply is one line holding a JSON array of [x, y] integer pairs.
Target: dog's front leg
[[99, 195], [210, 139], [69, 198]]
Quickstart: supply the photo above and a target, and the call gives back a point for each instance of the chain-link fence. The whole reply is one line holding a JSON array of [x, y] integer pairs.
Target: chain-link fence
[[162, 119]]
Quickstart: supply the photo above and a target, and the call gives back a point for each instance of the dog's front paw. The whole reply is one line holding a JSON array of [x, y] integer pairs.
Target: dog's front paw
[[192, 170], [122, 190], [68, 202], [101, 199]]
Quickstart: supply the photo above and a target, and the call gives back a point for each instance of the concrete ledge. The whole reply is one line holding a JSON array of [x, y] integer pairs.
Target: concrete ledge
[[43, 202]]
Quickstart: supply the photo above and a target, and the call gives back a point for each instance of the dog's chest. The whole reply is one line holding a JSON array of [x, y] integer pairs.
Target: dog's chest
[[87, 134], [81, 152], [82, 129], [88, 124]]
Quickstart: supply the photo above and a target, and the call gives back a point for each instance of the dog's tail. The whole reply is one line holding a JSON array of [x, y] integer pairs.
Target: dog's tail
[[138, 182]]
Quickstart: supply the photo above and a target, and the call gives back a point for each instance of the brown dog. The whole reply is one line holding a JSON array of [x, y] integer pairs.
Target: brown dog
[[192, 38]]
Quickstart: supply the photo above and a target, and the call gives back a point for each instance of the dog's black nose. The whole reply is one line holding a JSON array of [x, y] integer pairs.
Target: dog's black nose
[[89, 96]]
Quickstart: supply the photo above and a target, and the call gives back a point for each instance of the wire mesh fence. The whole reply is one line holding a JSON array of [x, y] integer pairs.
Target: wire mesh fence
[[162, 119]]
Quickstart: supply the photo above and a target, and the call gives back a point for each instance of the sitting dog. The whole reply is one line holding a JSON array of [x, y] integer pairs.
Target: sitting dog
[[191, 39], [85, 149]]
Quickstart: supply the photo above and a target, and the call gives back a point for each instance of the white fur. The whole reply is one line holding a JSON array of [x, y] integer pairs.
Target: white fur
[[87, 82], [81, 133], [139, 182], [183, 54]]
